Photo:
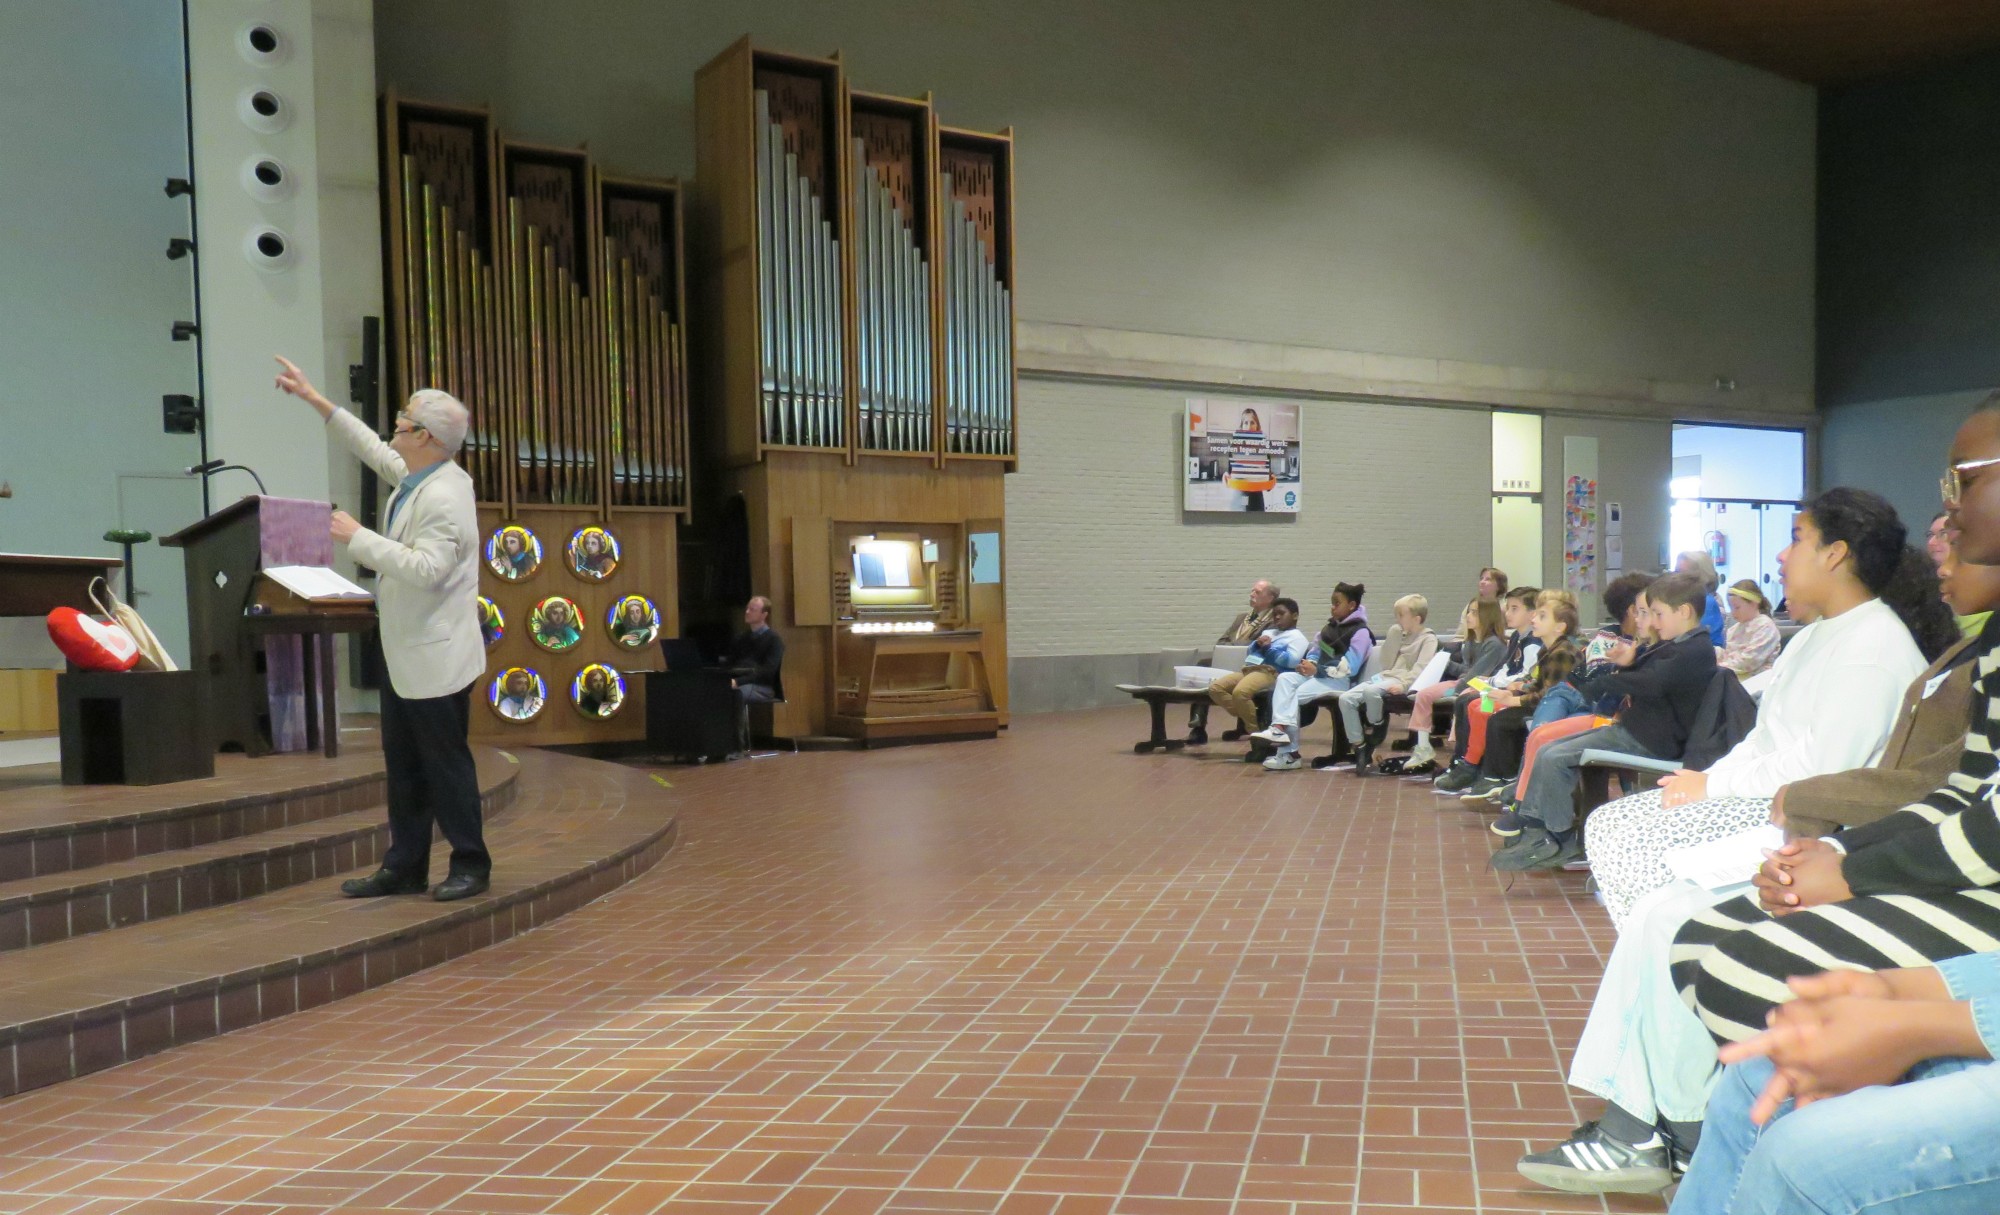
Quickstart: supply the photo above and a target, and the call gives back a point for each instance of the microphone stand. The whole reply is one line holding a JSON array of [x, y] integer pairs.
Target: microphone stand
[[209, 468]]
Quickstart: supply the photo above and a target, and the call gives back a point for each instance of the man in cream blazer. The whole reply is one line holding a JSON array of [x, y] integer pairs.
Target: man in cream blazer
[[428, 556]]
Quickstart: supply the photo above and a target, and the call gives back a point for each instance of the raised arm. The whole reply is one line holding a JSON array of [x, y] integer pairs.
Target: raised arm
[[353, 434]]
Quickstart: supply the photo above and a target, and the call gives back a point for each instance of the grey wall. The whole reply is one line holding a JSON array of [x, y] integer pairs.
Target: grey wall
[[1909, 235], [1896, 448], [1104, 569], [1510, 182], [93, 91], [1909, 284]]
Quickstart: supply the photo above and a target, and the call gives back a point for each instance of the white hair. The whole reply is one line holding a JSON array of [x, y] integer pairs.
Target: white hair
[[443, 416]]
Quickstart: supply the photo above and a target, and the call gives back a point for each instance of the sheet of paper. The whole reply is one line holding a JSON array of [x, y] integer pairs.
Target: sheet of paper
[[314, 582], [1432, 673], [1725, 862]]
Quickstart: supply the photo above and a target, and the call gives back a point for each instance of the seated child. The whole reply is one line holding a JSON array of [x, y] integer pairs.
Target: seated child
[[1410, 646], [1338, 654], [1469, 730], [1277, 649], [1751, 640], [1549, 697], [1662, 690], [1482, 648]]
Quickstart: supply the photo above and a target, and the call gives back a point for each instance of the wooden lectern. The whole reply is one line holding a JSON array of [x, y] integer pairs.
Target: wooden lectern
[[266, 695]]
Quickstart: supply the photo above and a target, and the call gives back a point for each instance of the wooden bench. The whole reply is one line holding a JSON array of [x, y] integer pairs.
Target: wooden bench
[[1157, 698]]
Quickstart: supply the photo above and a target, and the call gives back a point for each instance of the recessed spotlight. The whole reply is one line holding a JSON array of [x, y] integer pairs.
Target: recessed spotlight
[[263, 111]]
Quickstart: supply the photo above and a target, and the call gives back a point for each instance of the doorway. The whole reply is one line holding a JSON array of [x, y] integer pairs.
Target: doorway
[[1517, 496], [1735, 490]]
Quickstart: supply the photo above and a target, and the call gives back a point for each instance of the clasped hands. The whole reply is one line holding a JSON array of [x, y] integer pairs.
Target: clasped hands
[[1848, 1029], [1804, 873]]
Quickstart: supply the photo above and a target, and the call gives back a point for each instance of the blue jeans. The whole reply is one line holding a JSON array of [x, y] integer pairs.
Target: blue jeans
[[1550, 798], [1927, 1146]]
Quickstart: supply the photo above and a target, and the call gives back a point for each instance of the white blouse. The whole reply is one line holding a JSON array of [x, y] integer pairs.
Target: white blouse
[[1834, 696]]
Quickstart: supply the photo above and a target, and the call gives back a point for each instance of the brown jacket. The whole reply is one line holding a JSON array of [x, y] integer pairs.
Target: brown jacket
[[1244, 629], [1922, 750]]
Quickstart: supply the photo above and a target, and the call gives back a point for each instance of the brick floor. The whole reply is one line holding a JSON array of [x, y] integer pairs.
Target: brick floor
[[1034, 976]]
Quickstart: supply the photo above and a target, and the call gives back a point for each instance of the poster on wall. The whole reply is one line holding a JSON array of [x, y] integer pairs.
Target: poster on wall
[[1580, 535], [1242, 456]]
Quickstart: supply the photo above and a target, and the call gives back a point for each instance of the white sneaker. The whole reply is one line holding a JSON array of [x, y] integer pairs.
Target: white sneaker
[[1284, 761], [1274, 734]]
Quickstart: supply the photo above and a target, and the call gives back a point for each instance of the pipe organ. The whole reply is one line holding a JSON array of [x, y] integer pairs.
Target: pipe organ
[[858, 365], [548, 297]]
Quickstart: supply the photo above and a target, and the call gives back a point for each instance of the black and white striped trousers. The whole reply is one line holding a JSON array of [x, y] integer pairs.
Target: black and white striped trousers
[[1730, 962]]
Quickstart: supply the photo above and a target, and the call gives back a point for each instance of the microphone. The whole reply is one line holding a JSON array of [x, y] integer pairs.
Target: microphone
[[208, 468]]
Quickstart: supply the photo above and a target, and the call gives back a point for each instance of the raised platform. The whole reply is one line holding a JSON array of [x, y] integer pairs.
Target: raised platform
[[132, 920]]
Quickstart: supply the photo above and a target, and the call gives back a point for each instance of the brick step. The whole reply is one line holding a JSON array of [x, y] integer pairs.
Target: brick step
[[50, 827], [579, 828], [79, 901]]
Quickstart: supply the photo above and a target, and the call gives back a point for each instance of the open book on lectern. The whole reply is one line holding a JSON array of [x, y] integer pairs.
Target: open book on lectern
[[316, 584]]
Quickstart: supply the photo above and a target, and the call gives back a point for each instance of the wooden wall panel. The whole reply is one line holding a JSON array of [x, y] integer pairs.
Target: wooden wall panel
[[791, 485], [648, 565]]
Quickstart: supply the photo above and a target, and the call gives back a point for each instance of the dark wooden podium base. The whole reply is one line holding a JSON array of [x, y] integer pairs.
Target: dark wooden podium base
[[134, 727]]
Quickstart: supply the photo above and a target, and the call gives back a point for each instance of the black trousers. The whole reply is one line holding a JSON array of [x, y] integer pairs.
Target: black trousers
[[431, 780], [1461, 728], [1506, 743]]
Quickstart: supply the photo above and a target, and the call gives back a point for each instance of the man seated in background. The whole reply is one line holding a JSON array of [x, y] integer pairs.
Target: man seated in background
[[756, 656], [1276, 650], [1243, 630]]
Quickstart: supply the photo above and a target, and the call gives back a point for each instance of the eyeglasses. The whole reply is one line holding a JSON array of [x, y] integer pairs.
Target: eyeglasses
[[404, 424], [1952, 486]]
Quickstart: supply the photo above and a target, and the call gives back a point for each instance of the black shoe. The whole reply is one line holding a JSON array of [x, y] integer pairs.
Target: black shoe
[[1408, 742], [1535, 848], [1197, 738], [1323, 762], [1482, 789], [381, 882], [460, 886], [1593, 1162], [1571, 853], [1259, 752], [1457, 778], [1235, 734]]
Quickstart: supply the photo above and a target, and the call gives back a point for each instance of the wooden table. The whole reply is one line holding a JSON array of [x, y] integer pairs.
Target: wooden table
[[32, 585]]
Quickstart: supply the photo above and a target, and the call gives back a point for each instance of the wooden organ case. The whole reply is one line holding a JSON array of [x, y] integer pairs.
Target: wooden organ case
[[858, 285], [549, 298]]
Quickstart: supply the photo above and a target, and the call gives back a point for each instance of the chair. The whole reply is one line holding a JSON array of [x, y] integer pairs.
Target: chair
[[1720, 723], [748, 726]]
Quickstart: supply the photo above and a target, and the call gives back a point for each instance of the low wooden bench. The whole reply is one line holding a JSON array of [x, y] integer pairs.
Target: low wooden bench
[[1157, 698]]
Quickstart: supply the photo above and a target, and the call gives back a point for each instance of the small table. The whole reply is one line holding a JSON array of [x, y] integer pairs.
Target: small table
[[318, 629]]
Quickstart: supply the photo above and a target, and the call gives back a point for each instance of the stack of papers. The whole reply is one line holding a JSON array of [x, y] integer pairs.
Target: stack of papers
[[315, 582]]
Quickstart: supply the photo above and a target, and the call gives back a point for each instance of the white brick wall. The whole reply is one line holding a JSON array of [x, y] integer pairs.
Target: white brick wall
[[1101, 559]]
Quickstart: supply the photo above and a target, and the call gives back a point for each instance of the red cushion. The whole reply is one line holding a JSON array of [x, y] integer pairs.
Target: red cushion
[[90, 643]]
